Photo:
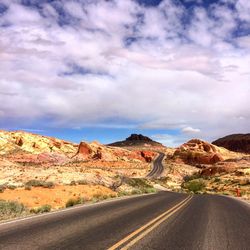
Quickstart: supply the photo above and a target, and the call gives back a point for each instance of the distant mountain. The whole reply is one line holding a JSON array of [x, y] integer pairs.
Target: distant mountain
[[235, 142], [136, 140]]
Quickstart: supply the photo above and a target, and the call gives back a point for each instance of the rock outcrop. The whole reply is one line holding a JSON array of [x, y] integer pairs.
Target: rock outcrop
[[136, 140], [148, 155], [28, 148], [235, 142], [228, 167], [94, 151], [97, 151], [11, 142], [84, 149], [197, 151]]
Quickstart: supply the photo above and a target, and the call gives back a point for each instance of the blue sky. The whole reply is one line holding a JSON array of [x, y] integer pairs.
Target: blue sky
[[101, 70]]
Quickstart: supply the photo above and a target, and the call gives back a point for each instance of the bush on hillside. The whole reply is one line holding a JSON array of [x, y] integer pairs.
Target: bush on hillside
[[37, 183], [10, 209], [43, 209], [72, 202], [194, 186], [194, 176]]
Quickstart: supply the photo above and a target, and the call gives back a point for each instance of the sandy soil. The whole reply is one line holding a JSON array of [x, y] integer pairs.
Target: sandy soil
[[57, 196]]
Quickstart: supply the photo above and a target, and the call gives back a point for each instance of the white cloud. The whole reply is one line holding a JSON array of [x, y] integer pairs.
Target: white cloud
[[243, 8], [190, 130], [171, 76]]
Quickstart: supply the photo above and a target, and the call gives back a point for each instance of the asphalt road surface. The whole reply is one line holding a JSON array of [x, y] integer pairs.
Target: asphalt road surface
[[157, 167], [164, 220]]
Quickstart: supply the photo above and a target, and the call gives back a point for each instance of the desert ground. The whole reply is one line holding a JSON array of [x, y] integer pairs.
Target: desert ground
[[43, 173]]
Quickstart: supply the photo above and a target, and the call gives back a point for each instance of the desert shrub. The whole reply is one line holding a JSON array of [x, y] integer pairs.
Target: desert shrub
[[10, 209], [206, 177], [72, 183], [123, 193], [142, 186], [72, 202], [104, 197], [150, 190], [94, 200], [216, 179], [27, 187], [113, 195], [48, 184], [228, 181], [136, 191], [37, 183], [117, 183], [2, 188], [43, 209], [34, 183], [164, 179], [81, 182], [100, 196], [144, 190], [194, 176], [12, 187], [194, 186], [138, 183]]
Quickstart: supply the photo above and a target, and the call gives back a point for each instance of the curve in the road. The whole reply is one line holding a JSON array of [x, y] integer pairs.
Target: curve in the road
[[157, 167]]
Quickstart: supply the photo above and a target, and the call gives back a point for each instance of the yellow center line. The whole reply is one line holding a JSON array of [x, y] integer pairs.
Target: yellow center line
[[143, 234], [158, 219]]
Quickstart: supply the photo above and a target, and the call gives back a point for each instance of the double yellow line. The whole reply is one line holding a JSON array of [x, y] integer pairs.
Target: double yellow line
[[141, 232]]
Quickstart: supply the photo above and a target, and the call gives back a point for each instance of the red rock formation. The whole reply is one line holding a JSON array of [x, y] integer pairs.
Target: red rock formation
[[98, 154], [57, 144], [198, 152], [213, 170], [19, 142], [148, 155], [84, 149]]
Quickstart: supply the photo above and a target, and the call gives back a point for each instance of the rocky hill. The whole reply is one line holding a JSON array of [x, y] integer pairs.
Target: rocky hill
[[20, 141], [136, 140], [197, 151], [235, 142], [23, 147]]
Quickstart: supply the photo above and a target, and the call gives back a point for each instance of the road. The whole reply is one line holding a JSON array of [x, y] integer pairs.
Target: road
[[157, 167], [164, 220]]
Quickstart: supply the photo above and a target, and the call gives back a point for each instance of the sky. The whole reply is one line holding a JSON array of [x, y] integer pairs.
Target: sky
[[101, 70]]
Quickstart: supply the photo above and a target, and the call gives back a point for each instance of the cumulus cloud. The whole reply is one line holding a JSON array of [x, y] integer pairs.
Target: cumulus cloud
[[74, 63], [190, 130]]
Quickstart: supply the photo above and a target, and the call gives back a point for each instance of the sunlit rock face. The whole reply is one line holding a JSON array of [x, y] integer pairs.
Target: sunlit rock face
[[33, 143], [197, 151]]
